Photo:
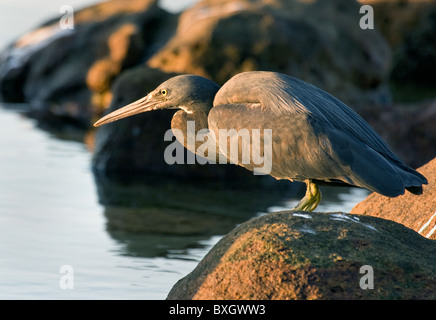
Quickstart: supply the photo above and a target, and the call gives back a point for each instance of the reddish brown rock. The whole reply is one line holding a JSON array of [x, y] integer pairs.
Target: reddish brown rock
[[300, 255], [413, 211]]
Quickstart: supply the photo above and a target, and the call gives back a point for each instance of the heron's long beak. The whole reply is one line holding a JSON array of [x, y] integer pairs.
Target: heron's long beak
[[144, 104]]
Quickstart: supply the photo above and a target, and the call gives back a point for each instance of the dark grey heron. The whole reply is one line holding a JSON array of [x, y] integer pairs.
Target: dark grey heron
[[316, 138]]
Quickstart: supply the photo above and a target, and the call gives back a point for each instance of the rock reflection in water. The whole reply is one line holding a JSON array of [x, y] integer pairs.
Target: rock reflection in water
[[161, 217]]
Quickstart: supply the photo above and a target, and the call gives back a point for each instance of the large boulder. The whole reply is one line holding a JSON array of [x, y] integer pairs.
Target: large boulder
[[417, 212], [300, 255]]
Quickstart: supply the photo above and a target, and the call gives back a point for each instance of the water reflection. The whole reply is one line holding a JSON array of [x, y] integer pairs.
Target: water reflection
[[159, 217]]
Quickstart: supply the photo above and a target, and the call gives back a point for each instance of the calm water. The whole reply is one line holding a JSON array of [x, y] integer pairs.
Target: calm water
[[50, 216]]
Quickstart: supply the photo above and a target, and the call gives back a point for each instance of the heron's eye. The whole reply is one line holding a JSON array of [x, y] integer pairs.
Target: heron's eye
[[164, 92]]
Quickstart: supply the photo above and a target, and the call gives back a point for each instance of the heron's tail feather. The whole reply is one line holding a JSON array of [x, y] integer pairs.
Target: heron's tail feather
[[379, 172], [373, 172], [413, 180], [415, 190], [387, 177]]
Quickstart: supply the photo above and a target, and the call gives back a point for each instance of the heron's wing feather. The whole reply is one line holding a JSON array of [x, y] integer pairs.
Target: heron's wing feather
[[285, 145], [363, 166], [238, 130], [287, 96], [330, 113]]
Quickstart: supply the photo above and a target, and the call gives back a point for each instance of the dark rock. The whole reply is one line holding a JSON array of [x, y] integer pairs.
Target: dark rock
[[416, 57], [409, 27], [408, 128], [417, 212], [395, 19], [300, 255]]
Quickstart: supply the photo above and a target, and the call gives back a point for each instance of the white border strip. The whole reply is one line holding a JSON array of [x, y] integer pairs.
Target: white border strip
[[426, 225]]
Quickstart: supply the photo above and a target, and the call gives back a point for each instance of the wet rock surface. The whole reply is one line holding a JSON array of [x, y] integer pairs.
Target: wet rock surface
[[300, 255]]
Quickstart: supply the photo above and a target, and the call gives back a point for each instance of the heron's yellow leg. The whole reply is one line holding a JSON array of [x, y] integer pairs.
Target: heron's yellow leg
[[311, 198]]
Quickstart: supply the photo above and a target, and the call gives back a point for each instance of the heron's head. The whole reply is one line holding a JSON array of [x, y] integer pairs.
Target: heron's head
[[189, 93]]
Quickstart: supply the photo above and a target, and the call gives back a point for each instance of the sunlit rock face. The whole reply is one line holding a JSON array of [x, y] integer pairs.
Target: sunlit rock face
[[308, 256]]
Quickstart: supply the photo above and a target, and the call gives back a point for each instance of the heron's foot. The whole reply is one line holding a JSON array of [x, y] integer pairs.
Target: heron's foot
[[311, 198]]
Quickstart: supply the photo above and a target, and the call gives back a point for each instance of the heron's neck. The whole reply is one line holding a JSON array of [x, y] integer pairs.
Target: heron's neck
[[189, 123], [191, 130]]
